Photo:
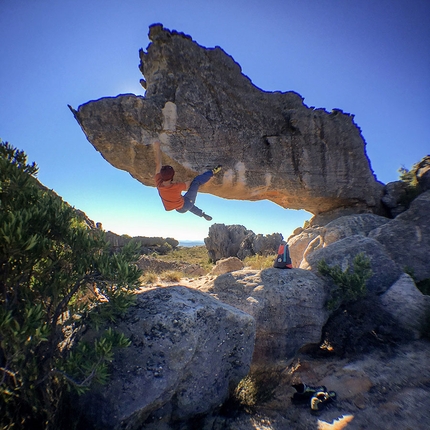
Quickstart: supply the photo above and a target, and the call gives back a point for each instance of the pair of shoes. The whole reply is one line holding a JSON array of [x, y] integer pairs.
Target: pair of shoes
[[320, 399], [216, 169], [305, 393], [207, 217]]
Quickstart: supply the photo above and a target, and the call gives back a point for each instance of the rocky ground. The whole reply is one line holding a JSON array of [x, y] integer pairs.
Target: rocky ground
[[380, 384], [380, 390]]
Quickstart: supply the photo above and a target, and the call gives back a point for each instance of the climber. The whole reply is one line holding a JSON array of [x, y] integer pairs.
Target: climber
[[170, 192]]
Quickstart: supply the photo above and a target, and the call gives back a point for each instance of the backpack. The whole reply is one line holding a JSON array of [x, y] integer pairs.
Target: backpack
[[283, 260]]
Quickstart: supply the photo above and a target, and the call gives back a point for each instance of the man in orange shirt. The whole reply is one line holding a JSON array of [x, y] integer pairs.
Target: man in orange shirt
[[171, 192]]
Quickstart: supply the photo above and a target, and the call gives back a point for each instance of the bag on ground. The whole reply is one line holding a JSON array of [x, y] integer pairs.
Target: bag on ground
[[283, 260]]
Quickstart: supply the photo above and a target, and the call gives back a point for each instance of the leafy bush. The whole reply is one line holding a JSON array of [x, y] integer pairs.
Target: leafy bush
[[56, 278], [410, 178], [349, 285]]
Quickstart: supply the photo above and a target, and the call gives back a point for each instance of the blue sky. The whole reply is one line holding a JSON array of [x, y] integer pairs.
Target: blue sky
[[370, 58]]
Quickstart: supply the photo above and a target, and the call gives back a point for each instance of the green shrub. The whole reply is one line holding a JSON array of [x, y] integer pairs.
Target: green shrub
[[56, 278], [349, 285], [413, 189]]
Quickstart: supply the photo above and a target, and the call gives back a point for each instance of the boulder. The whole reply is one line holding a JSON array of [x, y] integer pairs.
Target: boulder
[[361, 224], [342, 253], [226, 265], [236, 241], [303, 243], [259, 244], [394, 197], [287, 305], [406, 238], [187, 352], [313, 238], [224, 241], [407, 305], [205, 112]]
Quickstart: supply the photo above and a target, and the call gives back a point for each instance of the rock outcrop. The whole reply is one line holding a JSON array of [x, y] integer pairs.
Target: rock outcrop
[[288, 307], [407, 237], [147, 245], [407, 304], [205, 112], [405, 241], [226, 241], [226, 265], [187, 351]]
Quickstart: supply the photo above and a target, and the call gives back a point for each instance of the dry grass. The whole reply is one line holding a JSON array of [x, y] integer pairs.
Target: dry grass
[[149, 278], [259, 262], [172, 276], [191, 255]]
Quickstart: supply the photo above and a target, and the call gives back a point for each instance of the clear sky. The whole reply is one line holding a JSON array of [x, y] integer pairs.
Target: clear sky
[[370, 58]]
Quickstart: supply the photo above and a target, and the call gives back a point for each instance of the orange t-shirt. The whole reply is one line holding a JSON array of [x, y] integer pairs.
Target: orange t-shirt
[[170, 196]]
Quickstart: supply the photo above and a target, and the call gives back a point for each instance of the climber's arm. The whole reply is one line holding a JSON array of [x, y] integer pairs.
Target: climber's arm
[[157, 154]]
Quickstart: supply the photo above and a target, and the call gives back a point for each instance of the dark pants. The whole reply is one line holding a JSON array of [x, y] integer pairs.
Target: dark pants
[[191, 195]]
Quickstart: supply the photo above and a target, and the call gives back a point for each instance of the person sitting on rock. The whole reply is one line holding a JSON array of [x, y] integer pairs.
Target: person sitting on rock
[[171, 192]]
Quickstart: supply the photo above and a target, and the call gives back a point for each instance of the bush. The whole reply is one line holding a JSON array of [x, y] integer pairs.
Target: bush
[[259, 262], [56, 277], [413, 189], [349, 285], [256, 388], [172, 276]]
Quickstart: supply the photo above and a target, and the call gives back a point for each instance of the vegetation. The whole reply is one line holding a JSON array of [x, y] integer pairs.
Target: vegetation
[[410, 178], [259, 262], [149, 278], [172, 276], [56, 278], [349, 285], [256, 388], [191, 255]]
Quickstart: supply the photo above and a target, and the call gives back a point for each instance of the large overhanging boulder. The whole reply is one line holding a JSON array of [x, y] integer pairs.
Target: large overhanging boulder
[[206, 112]]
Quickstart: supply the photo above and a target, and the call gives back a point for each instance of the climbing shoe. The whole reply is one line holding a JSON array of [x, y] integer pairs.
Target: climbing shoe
[[320, 399], [207, 217], [216, 169], [305, 393]]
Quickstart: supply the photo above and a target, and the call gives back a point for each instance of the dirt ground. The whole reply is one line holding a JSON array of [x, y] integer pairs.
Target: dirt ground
[[381, 382]]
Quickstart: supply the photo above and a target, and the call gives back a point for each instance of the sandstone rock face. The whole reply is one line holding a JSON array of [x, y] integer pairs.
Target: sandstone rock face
[[311, 239], [226, 265], [342, 253], [405, 302], [205, 112], [407, 237], [188, 350], [394, 193], [226, 241], [288, 307]]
